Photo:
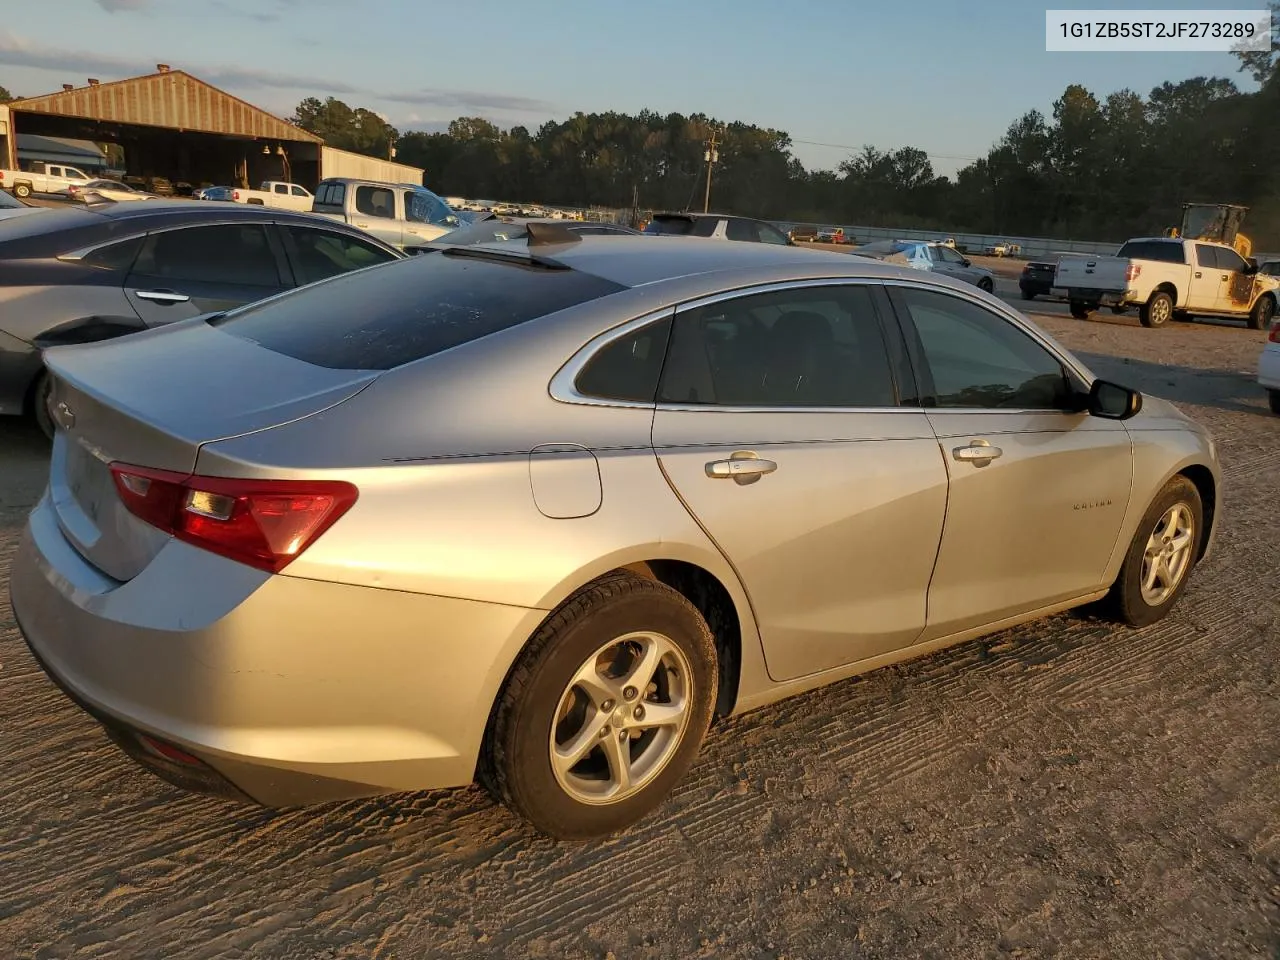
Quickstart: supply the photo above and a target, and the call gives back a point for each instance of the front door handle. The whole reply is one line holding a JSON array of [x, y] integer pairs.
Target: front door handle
[[1198, 274], [743, 467], [1226, 276], [162, 296], [979, 452]]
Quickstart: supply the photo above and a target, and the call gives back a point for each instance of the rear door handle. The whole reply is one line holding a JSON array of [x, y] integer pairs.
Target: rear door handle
[[742, 467], [979, 452], [162, 296]]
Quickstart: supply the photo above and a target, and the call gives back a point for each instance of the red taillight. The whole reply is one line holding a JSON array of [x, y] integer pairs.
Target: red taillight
[[168, 751], [1274, 335], [235, 194], [262, 523], [1131, 272]]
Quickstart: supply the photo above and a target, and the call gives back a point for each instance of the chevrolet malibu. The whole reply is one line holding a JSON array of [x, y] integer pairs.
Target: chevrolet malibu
[[537, 514]]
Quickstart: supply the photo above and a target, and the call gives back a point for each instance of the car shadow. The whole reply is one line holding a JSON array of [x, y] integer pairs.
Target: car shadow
[[1206, 387]]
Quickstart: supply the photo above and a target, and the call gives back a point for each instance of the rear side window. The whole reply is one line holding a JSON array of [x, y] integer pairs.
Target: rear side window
[[380, 319], [1159, 250], [670, 226], [742, 230], [115, 256], [228, 253], [1208, 256], [628, 368]]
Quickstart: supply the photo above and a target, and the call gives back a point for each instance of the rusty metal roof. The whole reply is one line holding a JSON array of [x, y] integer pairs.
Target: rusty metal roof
[[170, 99]]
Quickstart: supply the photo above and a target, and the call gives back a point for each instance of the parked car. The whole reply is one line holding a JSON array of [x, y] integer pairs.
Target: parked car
[[1270, 268], [98, 190], [11, 207], [830, 235], [82, 274], [932, 256], [403, 215], [715, 226], [41, 178], [803, 233], [1168, 278], [556, 462], [1003, 248], [160, 186], [213, 193], [277, 194], [1269, 366]]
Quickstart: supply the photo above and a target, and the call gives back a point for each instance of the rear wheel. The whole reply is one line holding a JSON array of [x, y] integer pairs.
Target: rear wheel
[[985, 285], [1080, 310], [1028, 295], [1161, 555], [40, 392], [604, 710], [1262, 312], [22, 190], [1157, 311]]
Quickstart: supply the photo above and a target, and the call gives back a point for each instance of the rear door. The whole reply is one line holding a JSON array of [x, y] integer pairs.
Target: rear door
[[1038, 490], [191, 270], [780, 427]]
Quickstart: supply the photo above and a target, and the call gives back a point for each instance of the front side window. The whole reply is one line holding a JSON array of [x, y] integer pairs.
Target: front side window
[[980, 360], [769, 234], [742, 230], [804, 347], [1230, 260], [422, 206], [223, 253], [376, 202], [627, 368], [947, 255], [318, 254], [298, 191]]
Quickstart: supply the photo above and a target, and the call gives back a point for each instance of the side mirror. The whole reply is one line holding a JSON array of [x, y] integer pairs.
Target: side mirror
[[1250, 267], [1112, 401], [966, 262]]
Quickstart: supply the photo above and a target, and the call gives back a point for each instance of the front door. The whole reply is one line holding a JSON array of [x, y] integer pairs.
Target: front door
[[188, 271], [1038, 491], [778, 426], [1207, 280], [379, 212]]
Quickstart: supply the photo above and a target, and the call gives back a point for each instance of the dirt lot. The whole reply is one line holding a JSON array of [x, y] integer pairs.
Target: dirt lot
[[1062, 790]]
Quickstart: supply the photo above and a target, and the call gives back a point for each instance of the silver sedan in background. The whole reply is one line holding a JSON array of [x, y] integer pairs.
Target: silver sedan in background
[[537, 513], [930, 255]]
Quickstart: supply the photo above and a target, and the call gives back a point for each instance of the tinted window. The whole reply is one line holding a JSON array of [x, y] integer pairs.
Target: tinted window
[[770, 234], [376, 202], [978, 359], [115, 256], [281, 188], [225, 253], [298, 191], [1164, 251], [705, 226], [629, 367], [1230, 260], [1271, 269], [742, 230], [813, 347], [409, 310], [422, 206], [946, 254], [674, 226], [319, 254], [1207, 256]]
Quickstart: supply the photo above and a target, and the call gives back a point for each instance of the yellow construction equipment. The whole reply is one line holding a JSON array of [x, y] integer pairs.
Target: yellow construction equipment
[[1218, 222]]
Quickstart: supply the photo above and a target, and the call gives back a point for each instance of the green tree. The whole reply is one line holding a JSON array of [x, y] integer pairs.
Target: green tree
[[355, 129], [6, 96]]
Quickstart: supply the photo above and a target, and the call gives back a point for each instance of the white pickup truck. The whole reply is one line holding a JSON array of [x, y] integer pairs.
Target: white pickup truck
[[276, 193], [402, 214], [1168, 278], [42, 178]]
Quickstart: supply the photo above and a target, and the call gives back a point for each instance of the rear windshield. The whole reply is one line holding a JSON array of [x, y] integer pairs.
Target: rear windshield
[[382, 317], [1163, 251]]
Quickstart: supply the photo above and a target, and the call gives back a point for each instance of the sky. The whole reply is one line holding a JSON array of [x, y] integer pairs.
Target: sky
[[947, 76]]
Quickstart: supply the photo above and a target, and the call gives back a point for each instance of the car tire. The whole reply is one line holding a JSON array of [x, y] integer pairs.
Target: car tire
[[1263, 310], [1157, 311], [1273, 398], [1128, 601], [1028, 295], [40, 391], [22, 191], [985, 285], [1080, 310], [544, 707]]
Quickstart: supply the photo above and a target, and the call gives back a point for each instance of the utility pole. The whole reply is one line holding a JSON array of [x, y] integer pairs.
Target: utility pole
[[711, 156]]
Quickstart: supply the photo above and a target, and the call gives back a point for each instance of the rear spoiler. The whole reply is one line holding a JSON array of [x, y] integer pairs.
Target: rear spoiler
[[541, 234]]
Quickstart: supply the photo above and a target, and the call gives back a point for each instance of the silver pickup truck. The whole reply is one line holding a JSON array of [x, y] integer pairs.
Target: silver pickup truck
[[401, 214]]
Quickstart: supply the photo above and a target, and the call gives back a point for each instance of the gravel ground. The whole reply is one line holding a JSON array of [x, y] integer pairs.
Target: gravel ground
[[1066, 789]]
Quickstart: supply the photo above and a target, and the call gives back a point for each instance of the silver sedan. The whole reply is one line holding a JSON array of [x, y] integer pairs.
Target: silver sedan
[[932, 256], [538, 513]]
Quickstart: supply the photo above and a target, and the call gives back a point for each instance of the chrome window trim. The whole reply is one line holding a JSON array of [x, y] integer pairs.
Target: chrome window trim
[[563, 389], [83, 252]]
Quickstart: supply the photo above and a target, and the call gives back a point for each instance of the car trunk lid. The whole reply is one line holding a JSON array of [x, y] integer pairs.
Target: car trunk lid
[[153, 399]]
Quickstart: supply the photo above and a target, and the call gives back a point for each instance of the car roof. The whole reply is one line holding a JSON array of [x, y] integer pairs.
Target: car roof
[[633, 261]]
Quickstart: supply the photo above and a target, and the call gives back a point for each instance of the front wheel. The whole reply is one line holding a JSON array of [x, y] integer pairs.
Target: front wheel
[[41, 390], [1157, 311], [1080, 309], [604, 710], [1028, 295], [1262, 312], [1161, 555], [985, 285]]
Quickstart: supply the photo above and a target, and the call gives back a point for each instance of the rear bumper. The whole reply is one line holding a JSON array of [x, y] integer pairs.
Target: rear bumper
[[1269, 367], [288, 691]]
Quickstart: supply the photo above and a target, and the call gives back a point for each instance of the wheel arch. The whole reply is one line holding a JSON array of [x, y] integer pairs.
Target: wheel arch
[[1166, 287], [1207, 486]]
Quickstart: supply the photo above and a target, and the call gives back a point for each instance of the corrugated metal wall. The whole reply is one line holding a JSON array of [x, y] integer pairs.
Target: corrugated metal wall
[[174, 99], [342, 163]]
